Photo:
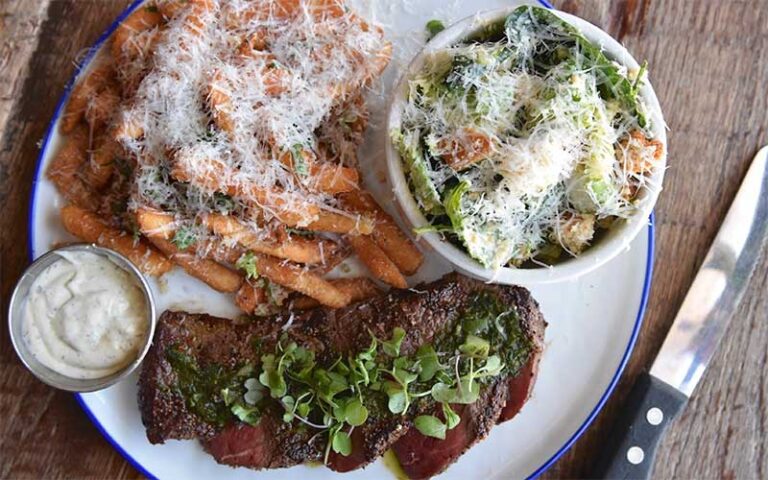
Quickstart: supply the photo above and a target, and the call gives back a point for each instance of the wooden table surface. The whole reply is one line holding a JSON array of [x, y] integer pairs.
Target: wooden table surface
[[709, 66]]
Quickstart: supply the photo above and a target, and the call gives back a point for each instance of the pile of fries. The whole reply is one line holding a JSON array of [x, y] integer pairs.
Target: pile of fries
[[267, 221]]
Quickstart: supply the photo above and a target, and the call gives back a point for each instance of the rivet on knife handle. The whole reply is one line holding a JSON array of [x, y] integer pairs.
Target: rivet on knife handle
[[631, 447]]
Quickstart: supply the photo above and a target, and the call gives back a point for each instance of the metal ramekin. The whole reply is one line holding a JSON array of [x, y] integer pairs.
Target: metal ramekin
[[15, 317]]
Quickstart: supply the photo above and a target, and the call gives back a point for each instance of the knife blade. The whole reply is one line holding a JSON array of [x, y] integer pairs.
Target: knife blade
[[658, 396], [717, 289]]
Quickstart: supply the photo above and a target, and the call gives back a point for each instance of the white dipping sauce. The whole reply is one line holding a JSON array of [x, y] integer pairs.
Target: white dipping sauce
[[84, 317]]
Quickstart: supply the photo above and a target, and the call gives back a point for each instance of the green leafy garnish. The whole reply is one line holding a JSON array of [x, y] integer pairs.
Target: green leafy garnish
[[430, 426], [341, 443], [392, 346], [428, 362], [355, 413], [453, 206], [451, 418], [433, 228], [475, 347], [247, 263], [419, 171], [613, 85], [246, 414], [272, 376]]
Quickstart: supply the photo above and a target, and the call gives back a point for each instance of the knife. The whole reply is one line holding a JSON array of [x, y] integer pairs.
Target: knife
[[659, 395]]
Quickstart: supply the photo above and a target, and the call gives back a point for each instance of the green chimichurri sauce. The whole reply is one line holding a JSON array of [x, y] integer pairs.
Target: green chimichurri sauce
[[488, 318], [204, 387]]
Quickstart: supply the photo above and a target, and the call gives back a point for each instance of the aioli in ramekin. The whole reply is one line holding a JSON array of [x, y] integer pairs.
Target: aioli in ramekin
[[84, 316]]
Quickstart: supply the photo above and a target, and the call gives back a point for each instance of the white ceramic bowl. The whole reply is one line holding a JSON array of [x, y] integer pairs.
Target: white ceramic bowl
[[615, 241]]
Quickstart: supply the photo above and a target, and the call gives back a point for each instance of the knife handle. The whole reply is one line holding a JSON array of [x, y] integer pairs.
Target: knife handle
[[631, 446]]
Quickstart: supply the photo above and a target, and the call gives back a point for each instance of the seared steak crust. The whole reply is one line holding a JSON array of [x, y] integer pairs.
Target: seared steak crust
[[425, 312]]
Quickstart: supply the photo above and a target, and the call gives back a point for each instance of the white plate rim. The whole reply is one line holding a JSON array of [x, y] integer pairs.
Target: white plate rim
[[83, 64]]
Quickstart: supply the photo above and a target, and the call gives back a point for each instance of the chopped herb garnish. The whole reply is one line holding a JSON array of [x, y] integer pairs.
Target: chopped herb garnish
[[247, 263], [300, 166], [184, 238], [434, 27], [300, 232], [223, 203]]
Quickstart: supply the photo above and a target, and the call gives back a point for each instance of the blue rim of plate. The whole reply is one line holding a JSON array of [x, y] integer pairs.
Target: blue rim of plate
[[138, 466]]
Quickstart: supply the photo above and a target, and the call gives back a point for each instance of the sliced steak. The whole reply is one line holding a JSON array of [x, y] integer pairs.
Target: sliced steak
[[270, 444], [424, 457], [427, 313]]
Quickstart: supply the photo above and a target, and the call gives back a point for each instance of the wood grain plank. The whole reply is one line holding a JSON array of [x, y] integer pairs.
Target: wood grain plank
[[707, 84], [20, 22], [44, 433], [709, 65]]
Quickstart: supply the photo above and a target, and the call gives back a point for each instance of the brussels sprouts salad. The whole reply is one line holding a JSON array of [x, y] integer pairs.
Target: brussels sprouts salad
[[524, 143]]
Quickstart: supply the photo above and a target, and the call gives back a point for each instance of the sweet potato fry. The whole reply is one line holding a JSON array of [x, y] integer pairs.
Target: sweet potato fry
[[358, 289], [275, 10], [102, 106], [333, 179], [301, 280], [294, 248], [386, 233], [82, 93], [159, 228], [87, 227], [128, 128], [220, 102], [338, 223], [195, 20], [99, 169], [64, 171], [155, 224], [144, 18], [170, 8], [333, 260], [216, 250], [291, 209], [216, 275], [250, 296], [255, 44], [378, 263]]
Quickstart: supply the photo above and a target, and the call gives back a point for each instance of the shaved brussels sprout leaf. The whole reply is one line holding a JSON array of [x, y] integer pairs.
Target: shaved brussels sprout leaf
[[452, 206], [418, 172], [613, 85]]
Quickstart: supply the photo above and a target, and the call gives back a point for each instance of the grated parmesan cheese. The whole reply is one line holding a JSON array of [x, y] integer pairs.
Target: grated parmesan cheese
[[286, 77]]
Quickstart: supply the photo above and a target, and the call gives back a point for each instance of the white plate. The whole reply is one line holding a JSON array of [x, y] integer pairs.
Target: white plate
[[593, 322]]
